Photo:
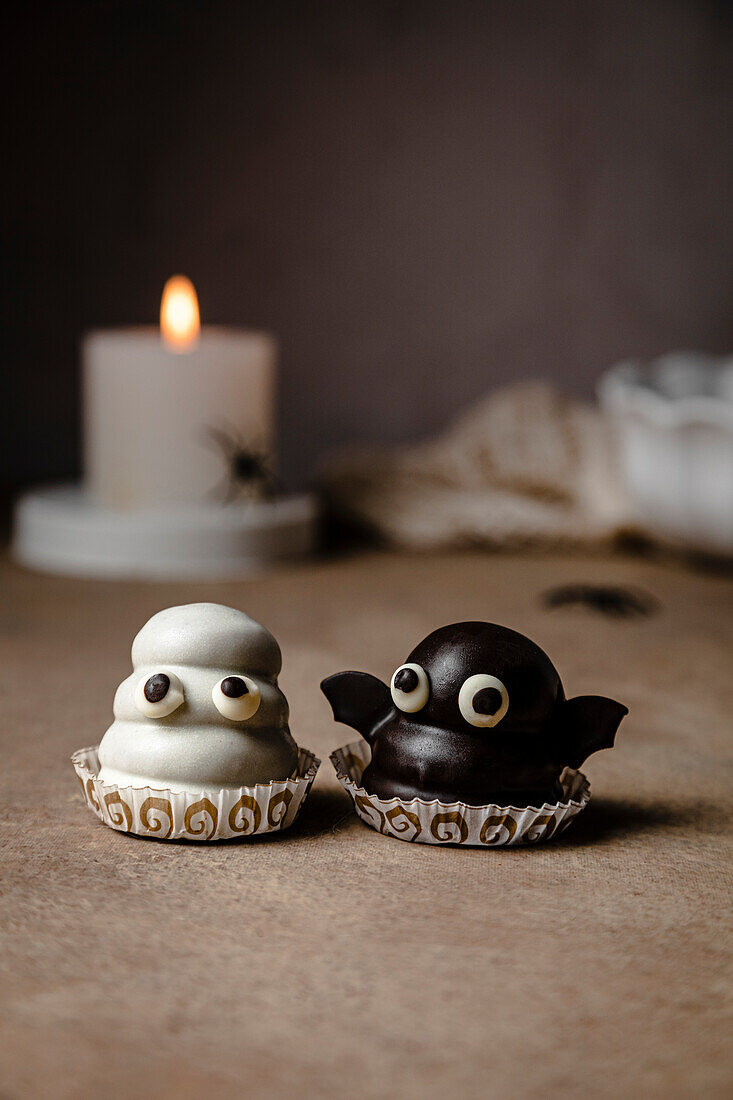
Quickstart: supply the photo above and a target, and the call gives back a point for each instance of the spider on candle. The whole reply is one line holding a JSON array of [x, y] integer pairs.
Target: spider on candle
[[247, 469]]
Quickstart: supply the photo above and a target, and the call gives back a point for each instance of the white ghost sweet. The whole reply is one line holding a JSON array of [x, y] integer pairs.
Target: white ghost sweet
[[202, 707]]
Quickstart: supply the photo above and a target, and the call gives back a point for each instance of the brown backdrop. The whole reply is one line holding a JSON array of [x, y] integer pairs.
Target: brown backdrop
[[423, 199]]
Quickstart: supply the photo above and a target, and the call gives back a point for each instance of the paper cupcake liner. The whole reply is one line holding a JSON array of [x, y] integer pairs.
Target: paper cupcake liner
[[213, 813], [455, 822]]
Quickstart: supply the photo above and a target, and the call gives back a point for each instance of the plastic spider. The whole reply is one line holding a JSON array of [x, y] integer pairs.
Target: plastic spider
[[246, 468]]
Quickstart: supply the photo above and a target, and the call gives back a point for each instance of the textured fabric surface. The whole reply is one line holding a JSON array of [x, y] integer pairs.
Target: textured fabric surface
[[524, 465], [329, 961]]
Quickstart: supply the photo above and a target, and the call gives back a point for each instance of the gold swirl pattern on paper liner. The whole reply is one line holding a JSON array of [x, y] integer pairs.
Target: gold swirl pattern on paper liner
[[92, 796], [244, 806], [498, 822], [454, 826], [498, 830], [205, 808], [277, 808], [159, 807], [406, 818], [123, 820], [541, 828], [246, 816], [365, 808]]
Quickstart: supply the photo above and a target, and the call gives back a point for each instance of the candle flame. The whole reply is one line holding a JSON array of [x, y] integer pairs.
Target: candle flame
[[179, 314]]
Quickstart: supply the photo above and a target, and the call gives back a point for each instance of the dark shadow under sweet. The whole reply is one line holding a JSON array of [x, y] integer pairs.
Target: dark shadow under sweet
[[607, 819], [323, 811]]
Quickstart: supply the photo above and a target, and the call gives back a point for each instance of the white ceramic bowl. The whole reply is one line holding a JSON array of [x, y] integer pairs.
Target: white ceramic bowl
[[674, 418]]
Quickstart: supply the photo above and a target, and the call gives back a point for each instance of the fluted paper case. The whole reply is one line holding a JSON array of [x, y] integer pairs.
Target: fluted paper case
[[218, 813], [455, 822]]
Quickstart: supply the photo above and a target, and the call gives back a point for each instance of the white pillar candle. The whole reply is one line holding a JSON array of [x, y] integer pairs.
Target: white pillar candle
[[162, 426]]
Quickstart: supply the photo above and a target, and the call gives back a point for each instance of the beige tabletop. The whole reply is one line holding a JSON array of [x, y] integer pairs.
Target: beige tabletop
[[330, 961]]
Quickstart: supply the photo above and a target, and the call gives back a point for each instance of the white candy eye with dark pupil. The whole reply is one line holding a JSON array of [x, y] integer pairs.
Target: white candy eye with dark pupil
[[410, 688], [159, 695], [234, 687], [483, 700], [236, 698]]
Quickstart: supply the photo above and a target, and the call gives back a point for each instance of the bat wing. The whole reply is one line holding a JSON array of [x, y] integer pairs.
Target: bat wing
[[587, 724], [358, 700]]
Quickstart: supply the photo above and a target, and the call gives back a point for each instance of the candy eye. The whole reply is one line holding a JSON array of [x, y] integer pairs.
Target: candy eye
[[410, 688], [236, 698], [159, 695], [483, 700]]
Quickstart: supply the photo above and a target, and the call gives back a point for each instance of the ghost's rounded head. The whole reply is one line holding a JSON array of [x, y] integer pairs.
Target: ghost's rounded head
[[202, 707]]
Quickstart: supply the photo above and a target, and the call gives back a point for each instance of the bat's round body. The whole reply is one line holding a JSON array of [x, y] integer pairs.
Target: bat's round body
[[477, 714]]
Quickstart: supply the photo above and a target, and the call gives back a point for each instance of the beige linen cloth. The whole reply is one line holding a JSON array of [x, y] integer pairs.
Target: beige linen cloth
[[525, 465]]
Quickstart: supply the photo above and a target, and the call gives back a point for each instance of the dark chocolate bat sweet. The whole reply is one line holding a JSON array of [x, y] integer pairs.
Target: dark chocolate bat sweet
[[477, 714]]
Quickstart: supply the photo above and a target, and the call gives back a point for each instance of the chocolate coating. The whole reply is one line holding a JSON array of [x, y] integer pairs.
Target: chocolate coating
[[157, 687], [234, 687], [445, 752], [487, 701], [406, 679]]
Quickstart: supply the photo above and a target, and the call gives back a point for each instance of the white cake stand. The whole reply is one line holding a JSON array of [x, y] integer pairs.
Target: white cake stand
[[61, 530]]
